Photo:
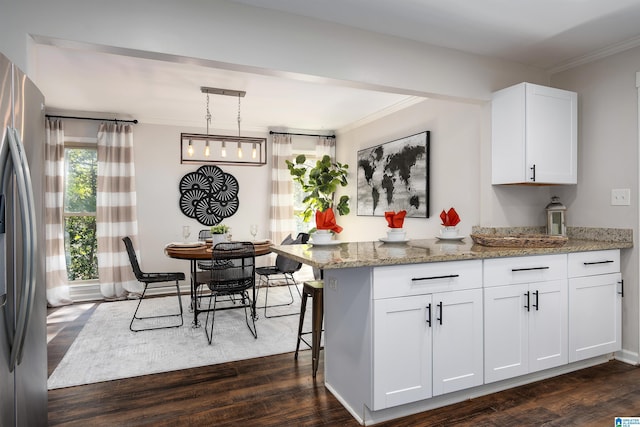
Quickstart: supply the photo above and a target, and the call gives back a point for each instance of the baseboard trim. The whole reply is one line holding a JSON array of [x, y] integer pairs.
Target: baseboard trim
[[626, 356]]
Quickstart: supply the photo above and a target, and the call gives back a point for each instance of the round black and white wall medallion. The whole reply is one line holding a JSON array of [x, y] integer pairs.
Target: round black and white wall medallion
[[209, 195]]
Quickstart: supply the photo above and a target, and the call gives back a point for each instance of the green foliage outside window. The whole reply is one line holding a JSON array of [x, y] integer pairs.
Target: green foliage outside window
[[81, 176], [80, 245]]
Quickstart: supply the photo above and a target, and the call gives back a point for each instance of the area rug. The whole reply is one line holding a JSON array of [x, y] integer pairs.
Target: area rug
[[107, 350]]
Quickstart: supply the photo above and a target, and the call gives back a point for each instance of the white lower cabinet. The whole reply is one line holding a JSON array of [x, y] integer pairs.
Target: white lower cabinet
[[525, 324], [442, 327], [525, 327], [426, 345], [595, 300]]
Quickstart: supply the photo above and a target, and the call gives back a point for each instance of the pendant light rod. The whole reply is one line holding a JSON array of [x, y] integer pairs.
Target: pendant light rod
[[218, 91]]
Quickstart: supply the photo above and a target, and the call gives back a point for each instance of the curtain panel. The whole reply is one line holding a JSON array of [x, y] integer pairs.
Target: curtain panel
[[57, 282], [282, 221], [116, 212]]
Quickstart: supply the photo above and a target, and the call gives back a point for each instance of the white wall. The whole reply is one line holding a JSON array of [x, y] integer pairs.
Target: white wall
[[243, 37], [607, 159], [460, 174]]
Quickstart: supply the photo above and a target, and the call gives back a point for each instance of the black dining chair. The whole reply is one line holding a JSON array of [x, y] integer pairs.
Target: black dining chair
[[150, 279], [203, 235], [232, 275], [283, 270]]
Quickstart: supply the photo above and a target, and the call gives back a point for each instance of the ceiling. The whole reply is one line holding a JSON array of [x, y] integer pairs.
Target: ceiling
[[549, 34]]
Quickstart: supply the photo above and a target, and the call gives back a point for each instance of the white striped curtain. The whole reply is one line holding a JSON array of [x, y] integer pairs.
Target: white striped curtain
[[326, 146], [57, 282], [282, 221], [116, 213]]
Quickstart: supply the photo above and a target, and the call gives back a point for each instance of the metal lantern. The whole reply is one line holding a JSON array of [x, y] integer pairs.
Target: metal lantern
[[556, 225]]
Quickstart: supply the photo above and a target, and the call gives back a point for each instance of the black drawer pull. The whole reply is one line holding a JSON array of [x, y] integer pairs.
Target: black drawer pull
[[609, 261], [429, 315], [528, 295], [439, 319], [450, 276], [530, 269]]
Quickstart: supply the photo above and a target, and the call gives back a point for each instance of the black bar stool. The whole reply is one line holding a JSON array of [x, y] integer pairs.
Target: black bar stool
[[312, 289]]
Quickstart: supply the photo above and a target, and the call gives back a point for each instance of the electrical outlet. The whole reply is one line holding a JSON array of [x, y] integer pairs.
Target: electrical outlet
[[620, 197], [333, 283]]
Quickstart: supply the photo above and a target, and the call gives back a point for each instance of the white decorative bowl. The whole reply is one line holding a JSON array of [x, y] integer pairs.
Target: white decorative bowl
[[449, 232], [396, 234], [322, 236]]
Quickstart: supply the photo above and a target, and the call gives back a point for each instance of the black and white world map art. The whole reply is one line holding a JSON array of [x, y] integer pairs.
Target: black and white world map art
[[395, 176]]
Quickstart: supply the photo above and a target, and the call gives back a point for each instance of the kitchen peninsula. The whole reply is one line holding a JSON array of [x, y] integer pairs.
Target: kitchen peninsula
[[413, 326]]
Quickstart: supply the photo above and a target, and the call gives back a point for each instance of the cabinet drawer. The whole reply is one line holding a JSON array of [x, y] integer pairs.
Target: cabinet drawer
[[593, 263], [529, 269], [417, 279]]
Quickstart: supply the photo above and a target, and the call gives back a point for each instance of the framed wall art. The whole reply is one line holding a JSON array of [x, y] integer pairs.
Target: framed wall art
[[394, 176]]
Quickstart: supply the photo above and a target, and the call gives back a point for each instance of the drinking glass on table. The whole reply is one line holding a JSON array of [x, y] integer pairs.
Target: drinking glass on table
[[186, 232], [253, 229]]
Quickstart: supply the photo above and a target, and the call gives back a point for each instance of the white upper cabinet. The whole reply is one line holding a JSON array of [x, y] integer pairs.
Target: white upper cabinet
[[534, 135]]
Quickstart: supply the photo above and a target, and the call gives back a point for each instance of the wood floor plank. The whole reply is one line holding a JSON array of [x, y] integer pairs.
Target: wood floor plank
[[277, 390]]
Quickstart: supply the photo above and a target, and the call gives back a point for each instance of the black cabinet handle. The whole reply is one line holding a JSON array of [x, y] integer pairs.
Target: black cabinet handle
[[621, 288], [530, 269], [533, 173], [598, 262], [536, 305], [450, 276], [527, 295], [440, 307], [429, 315]]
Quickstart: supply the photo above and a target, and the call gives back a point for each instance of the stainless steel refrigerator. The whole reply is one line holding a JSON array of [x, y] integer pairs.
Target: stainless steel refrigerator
[[23, 338]]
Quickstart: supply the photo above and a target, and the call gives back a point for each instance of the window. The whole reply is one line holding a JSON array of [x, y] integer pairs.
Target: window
[[80, 187]]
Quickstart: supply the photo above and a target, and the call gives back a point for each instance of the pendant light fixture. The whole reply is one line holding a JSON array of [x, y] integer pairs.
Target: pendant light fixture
[[212, 149]]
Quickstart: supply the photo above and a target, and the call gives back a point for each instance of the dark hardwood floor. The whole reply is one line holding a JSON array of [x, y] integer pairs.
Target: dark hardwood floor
[[277, 391]]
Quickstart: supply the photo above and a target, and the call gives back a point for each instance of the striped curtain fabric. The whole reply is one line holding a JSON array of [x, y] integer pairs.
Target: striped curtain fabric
[[282, 221], [116, 213], [56, 267], [326, 146]]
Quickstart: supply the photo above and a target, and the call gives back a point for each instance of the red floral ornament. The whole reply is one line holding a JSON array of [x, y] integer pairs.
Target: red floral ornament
[[326, 220], [395, 220], [450, 219]]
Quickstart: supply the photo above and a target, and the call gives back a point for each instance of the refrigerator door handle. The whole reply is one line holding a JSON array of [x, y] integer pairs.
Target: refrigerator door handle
[[3, 259], [27, 210]]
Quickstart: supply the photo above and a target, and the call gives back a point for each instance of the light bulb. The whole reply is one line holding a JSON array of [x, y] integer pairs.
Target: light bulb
[[239, 151], [190, 149], [207, 150], [223, 152], [254, 152]]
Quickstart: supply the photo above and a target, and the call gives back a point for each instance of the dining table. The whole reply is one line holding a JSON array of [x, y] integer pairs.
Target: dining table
[[203, 251]]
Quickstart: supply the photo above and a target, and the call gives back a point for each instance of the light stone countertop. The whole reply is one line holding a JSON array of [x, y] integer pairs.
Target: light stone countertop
[[366, 254]]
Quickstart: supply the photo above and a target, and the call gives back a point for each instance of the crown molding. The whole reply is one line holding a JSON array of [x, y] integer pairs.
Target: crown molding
[[596, 55]]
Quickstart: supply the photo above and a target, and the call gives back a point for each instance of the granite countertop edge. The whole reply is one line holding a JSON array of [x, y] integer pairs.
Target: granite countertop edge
[[371, 254]]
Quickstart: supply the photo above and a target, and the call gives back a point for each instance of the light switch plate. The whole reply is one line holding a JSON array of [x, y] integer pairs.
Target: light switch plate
[[620, 197]]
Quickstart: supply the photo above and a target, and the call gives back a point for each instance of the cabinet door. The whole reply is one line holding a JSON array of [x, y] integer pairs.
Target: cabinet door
[[594, 316], [548, 325], [505, 332], [457, 341], [551, 134], [401, 350]]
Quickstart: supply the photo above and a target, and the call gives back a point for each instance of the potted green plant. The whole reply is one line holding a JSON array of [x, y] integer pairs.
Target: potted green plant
[[219, 233], [320, 183]]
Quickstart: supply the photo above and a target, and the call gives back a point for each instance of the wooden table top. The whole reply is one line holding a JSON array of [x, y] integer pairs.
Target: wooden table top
[[203, 251]]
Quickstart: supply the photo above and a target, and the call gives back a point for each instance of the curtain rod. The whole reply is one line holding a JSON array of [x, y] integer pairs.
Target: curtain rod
[[91, 118], [300, 134]]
